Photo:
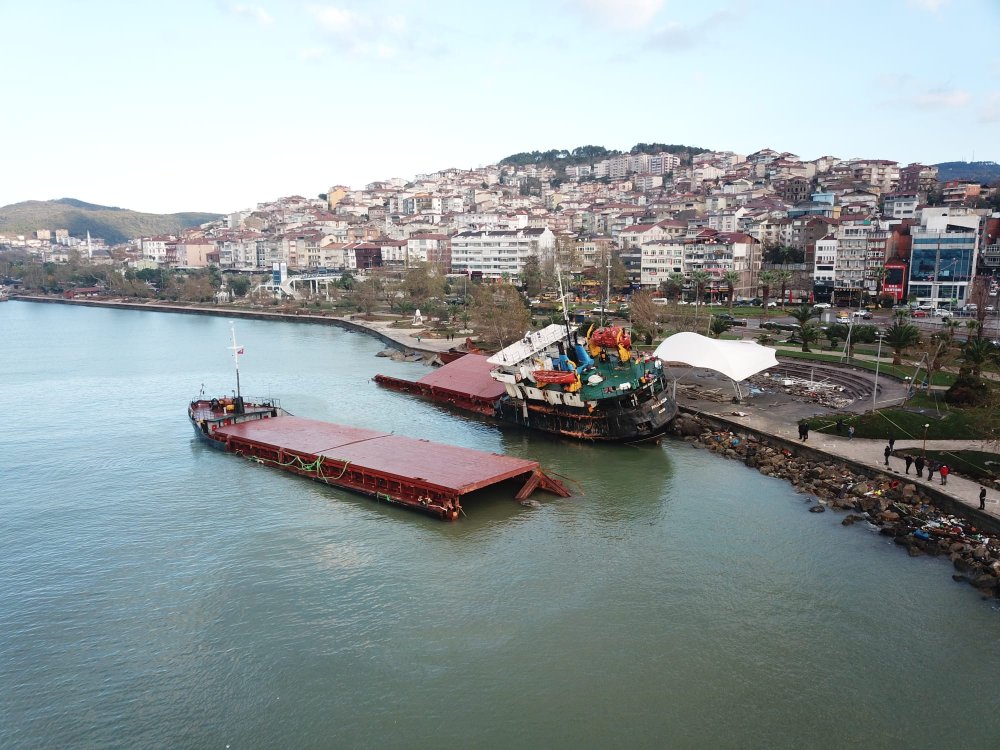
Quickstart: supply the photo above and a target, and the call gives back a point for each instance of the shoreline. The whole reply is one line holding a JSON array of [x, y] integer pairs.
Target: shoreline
[[398, 338], [839, 475], [915, 514]]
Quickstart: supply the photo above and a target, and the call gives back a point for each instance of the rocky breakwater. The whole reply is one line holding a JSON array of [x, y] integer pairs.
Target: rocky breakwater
[[896, 508]]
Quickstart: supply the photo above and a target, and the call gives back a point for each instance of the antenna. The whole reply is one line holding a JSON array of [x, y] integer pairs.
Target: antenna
[[237, 350]]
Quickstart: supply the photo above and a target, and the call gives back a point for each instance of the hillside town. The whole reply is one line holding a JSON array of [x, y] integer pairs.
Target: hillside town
[[841, 229]]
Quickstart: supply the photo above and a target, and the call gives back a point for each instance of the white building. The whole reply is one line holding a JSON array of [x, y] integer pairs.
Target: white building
[[499, 254]]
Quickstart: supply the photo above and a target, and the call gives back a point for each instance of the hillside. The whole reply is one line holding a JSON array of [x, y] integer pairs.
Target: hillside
[[112, 224], [559, 159], [984, 172]]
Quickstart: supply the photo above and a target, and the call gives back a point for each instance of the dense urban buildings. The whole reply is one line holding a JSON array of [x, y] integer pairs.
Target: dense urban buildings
[[844, 227]]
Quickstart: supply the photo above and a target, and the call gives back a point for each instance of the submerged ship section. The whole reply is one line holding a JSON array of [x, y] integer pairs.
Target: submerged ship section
[[596, 388]]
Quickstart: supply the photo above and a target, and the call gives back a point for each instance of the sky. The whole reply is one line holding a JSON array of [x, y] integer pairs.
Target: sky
[[212, 105]]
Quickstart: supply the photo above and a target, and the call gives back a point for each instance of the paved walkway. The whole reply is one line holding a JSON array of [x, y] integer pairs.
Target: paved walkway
[[867, 452]]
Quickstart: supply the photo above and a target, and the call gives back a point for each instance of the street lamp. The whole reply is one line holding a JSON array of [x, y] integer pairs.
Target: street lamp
[[925, 439], [878, 360]]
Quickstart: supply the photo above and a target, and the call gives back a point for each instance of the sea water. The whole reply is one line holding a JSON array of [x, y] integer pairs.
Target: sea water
[[157, 593]]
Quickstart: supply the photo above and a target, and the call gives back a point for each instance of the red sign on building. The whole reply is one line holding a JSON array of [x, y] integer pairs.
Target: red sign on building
[[894, 283]]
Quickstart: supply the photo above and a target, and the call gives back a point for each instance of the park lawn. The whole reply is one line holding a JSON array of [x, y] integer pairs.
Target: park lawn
[[975, 465], [908, 423]]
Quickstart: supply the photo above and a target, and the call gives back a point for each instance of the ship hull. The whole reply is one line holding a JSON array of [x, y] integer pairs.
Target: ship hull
[[618, 421]]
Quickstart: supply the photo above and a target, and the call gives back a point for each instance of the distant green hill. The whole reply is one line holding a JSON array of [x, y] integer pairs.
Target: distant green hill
[[561, 158], [983, 172], [112, 224]]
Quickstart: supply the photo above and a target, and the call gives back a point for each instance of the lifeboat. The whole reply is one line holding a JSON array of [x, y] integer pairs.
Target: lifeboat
[[562, 377]]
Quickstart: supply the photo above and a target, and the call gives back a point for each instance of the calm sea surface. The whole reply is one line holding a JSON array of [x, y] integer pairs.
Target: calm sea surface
[[155, 593]]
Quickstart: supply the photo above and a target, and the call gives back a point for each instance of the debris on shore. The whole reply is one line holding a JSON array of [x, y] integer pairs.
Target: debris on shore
[[895, 507]]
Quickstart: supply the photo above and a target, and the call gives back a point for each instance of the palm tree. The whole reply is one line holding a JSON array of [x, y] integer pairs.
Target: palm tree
[[717, 327], [809, 332], [732, 278], [700, 279], [976, 353], [803, 314], [836, 332], [900, 337], [783, 277], [765, 281], [674, 285]]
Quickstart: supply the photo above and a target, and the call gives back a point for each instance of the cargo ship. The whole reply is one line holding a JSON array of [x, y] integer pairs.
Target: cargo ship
[[595, 389], [429, 477]]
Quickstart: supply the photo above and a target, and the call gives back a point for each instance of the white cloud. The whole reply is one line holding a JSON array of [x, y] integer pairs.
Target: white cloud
[[370, 35], [338, 21], [674, 36], [313, 53], [253, 12], [939, 99], [990, 110], [626, 14]]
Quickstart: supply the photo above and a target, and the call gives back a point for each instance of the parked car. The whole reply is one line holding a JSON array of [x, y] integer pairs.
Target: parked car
[[822, 306], [941, 313], [727, 318], [919, 314], [773, 326]]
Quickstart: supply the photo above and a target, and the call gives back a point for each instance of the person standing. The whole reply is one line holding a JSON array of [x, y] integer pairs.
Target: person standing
[[982, 498], [930, 470], [840, 426], [804, 430], [850, 432], [919, 463], [943, 472], [909, 462], [887, 452], [892, 444]]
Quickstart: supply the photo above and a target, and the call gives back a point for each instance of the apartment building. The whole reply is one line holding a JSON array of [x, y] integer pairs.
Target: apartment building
[[499, 254]]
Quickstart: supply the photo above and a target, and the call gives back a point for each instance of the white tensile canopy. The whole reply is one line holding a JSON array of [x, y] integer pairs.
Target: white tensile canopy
[[737, 360]]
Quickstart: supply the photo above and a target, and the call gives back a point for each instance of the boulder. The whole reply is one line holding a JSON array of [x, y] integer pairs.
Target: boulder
[[817, 509]]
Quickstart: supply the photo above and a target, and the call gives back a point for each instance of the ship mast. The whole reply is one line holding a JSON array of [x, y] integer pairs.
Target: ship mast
[[237, 350], [607, 290], [562, 298]]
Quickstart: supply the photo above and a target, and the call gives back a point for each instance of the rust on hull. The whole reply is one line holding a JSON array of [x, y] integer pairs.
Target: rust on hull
[[430, 477]]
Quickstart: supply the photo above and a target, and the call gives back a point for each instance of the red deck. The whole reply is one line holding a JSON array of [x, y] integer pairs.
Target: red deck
[[430, 477], [464, 383], [445, 467], [469, 375]]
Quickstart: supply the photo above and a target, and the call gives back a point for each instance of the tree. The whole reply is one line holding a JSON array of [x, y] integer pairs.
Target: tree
[[500, 314], [783, 277], [700, 279], [836, 332], [421, 283], [809, 332], [531, 275], [240, 285], [900, 337], [347, 280], [976, 353], [717, 326], [803, 314], [673, 286], [645, 316], [731, 279], [766, 282], [364, 297]]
